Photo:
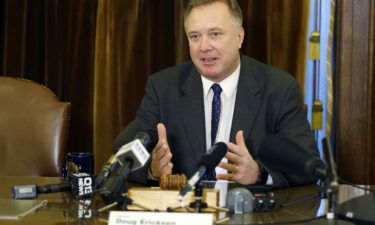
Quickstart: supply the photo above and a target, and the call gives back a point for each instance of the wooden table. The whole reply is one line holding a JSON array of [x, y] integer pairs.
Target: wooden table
[[62, 210]]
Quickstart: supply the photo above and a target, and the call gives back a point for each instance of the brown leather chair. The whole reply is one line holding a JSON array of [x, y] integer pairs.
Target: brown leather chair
[[33, 129]]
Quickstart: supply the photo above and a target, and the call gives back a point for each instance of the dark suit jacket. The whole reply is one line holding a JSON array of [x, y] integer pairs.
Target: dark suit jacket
[[268, 102]]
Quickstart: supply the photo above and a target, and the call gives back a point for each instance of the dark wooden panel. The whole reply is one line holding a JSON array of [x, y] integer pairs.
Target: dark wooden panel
[[354, 90], [371, 114]]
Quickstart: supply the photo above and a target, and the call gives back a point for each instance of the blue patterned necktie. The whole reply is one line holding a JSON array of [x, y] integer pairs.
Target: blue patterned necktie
[[215, 119], [216, 107]]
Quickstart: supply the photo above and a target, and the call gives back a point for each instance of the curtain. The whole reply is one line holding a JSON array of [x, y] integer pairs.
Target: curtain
[[98, 54], [276, 33], [133, 40], [52, 42]]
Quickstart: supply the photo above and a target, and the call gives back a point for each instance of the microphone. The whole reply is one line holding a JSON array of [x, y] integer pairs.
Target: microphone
[[113, 162], [207, 163], [136, 151], [282, 154], [79, 185], [131, 157], [111, 165]]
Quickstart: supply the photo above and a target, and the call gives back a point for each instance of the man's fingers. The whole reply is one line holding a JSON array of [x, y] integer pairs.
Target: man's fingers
[[161, 154], [234, 148], [162, 146], [226, 176], [232, 157], [229, 166], [165, 159], [242, 169], [167, 169], [240, 140], [239, 148], [162, 166], [162, 132], [160, 150]]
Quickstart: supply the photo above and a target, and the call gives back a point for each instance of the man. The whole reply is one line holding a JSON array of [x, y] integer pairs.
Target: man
[[252, 100]]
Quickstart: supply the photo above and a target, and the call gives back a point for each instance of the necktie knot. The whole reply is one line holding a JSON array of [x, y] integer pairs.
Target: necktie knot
[[217, 89]]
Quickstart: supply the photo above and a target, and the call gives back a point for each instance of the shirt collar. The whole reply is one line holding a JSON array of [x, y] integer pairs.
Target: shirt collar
[[228, 85]]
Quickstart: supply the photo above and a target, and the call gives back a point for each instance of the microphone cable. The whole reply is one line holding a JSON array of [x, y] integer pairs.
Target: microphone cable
[[312, 196], [289, 221], [317, 195], [342, 181]]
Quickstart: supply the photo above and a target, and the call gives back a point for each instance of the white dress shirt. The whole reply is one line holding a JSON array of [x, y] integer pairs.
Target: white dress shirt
[[228, 98]]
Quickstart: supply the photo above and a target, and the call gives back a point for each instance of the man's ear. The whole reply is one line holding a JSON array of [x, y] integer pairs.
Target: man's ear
[[241, 36]]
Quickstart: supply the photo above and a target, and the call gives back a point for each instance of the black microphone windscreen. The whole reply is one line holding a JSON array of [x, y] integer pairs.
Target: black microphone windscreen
[[82, 185], [282, 154], [213, 156]]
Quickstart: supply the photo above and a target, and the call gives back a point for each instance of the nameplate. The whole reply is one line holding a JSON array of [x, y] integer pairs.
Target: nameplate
[[159, 218]]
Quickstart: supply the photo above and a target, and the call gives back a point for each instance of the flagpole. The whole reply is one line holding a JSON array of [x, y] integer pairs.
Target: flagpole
[[317, 109]]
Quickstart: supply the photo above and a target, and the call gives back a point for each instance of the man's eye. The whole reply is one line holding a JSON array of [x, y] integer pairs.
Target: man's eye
[[194, 36], [215, 34]]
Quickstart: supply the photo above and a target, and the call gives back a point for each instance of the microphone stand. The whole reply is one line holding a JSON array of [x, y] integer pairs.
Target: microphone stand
[[322, 194], [328, 189], [198, 205], [332, 179], [332, 191], [333, 185], [332, 188]]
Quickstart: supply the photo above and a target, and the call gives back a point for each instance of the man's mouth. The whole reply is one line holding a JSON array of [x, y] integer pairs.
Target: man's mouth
[[208, 60]]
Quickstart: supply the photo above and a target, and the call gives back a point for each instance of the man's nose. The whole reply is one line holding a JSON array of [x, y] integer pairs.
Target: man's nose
[[205, 44]]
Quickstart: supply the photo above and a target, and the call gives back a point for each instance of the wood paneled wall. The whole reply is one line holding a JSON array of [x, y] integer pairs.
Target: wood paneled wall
[[354, 90]]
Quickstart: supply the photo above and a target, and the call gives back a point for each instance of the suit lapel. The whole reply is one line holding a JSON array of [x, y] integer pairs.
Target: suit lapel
[[247, 101], [245, 112], [192, 113]]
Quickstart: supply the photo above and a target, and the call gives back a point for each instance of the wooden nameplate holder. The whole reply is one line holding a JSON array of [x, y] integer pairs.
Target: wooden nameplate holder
[[159, 199]]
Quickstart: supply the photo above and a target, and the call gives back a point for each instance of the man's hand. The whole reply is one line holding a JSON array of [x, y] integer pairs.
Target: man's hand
[[161, 155], [245, 169]]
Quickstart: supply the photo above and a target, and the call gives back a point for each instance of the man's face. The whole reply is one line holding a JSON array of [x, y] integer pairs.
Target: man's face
[[214, 40]]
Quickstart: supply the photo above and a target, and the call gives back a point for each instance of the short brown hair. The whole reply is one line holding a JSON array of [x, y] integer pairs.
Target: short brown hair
[[233, 6]]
